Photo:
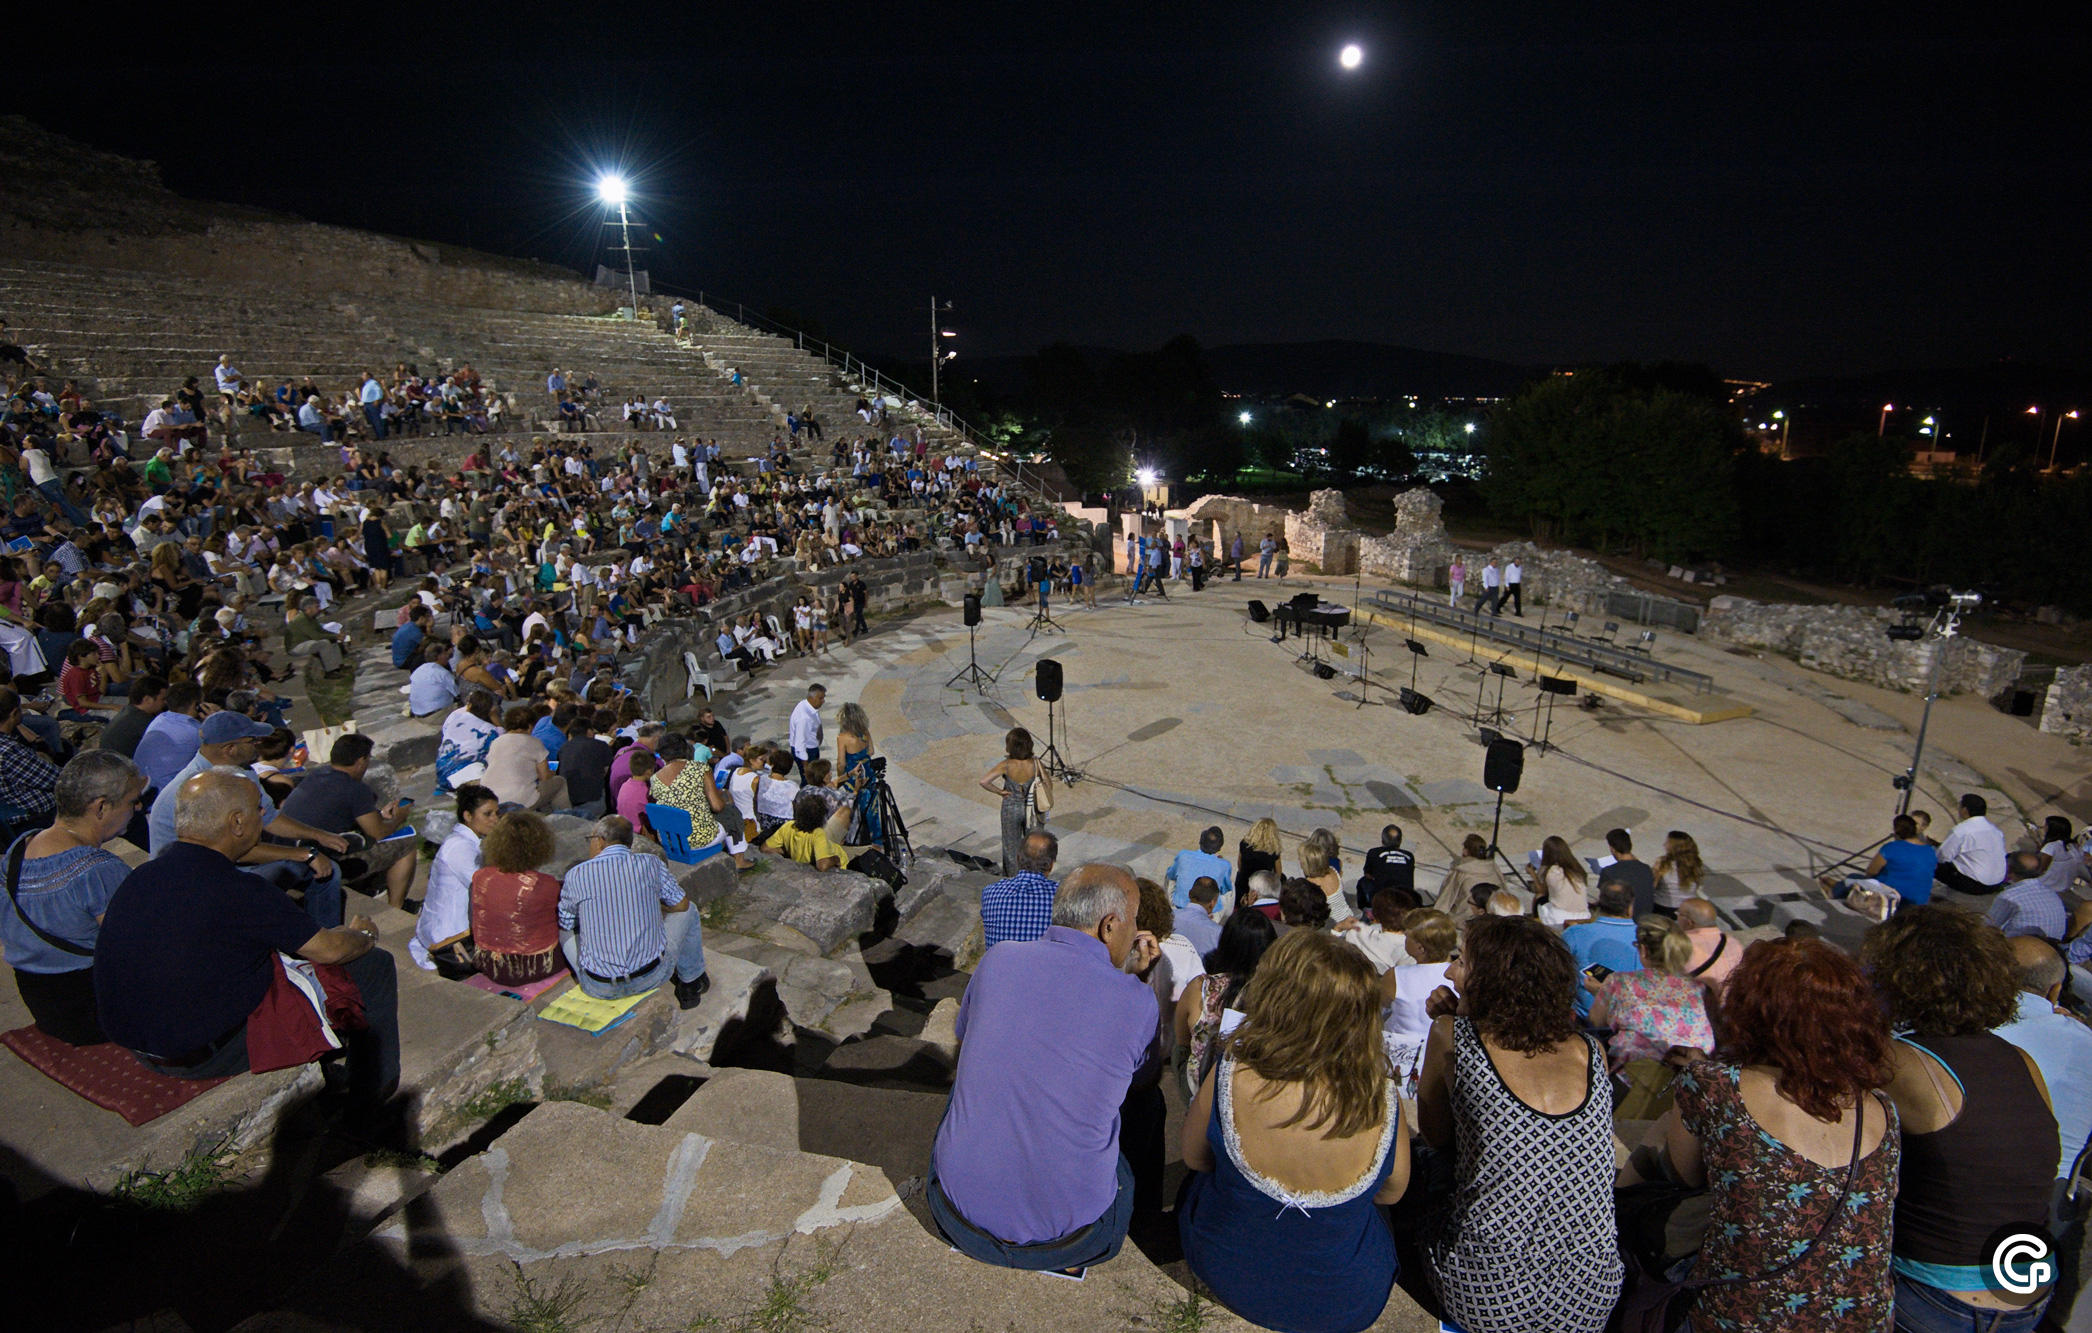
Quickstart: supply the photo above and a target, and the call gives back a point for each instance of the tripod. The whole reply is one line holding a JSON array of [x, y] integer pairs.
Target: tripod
[[1052, 763], [971, 673], [1040, 620], [1497, 715], [893, 830], [1365, 667]]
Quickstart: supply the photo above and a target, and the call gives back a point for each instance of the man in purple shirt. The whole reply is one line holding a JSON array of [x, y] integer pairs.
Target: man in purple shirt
[[1026, 1171]]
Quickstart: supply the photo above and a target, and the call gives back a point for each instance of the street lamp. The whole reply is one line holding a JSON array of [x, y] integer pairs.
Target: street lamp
[[2061, 417], [1883, 428], [1242, 417], [2035, 412], [1470, 428], [611, 190], [938, 356], [1780, 416]]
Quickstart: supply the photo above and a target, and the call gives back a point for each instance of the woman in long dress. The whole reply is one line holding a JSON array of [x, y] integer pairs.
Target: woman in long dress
[[853, 744], [1012, 780]]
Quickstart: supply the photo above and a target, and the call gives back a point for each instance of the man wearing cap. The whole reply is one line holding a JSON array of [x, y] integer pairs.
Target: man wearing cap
[[230, 739]]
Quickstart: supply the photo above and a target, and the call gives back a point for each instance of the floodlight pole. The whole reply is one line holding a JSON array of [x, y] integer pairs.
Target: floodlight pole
[[624, 226], [1944, 631], [936, 353]]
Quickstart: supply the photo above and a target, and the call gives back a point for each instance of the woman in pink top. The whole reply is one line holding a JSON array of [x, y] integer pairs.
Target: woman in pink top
[[515, 906]]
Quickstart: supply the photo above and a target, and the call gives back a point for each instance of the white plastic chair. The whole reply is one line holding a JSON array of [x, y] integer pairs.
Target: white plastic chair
[[698, 677]]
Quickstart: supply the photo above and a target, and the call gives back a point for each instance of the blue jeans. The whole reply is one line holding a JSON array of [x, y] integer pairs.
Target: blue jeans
[[1094, 1244], [1923, 1309], [323, 901], [375, 415], [55, 493], [682, 952]]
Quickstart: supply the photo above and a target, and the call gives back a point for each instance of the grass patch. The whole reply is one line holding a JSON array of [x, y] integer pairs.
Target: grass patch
[[493, 1100], [1187, 1313], [719, 914], [586, 1095], [182, 1187], [784, 1306], [411, 1161], [548, 1306]]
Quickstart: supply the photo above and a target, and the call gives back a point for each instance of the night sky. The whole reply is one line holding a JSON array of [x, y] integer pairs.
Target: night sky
[[1539, 183]]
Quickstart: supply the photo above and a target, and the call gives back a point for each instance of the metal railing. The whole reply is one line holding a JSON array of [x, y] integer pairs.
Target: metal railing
[[1568, 648], [854, 368]]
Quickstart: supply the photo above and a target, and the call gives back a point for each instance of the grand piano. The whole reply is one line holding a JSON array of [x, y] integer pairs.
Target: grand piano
[[1308, 613]]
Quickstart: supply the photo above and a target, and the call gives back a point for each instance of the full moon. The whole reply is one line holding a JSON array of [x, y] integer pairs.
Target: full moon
[[1351, 56]]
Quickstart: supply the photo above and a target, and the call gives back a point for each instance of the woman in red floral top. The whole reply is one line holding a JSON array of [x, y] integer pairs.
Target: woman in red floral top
[[1769, 1129], [515, 906]]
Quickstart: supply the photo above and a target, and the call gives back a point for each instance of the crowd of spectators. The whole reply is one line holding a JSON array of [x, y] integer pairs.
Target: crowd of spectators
[[1535, 1109]]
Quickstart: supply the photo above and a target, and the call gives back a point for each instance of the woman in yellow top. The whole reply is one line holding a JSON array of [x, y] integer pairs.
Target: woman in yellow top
[[804, 839]]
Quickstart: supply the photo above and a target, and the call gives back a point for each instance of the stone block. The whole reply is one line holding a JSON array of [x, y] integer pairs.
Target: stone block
[[753, 1106], [404, 742], [709, 880], [742, 1005]]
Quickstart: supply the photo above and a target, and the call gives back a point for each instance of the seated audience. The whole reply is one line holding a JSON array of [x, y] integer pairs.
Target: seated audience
[[59, 882], [1679, 872], [1293, 1143], [1204, 860], [1053, 1021], [1522, 1100], [518, 769], [1979, 1135], [2061, 1046], [1604, 942], [624, 924], [1797, 1146], [2028, 906], [1210, 1008], [188, 950], [1972, 855], [1318, 867], [805, 838], [1380, 937], [1624, 867], [1656, 1007], [515, 905], [148, 695], [1565, 885], [1431, 938], [1388, 866], [1714, 953], [1021, 907], [336, 799], [1258, 850], [442, 940], [1196, 920]]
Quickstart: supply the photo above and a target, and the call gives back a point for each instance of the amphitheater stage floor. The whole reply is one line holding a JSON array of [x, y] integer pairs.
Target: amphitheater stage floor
[[1180, 714]]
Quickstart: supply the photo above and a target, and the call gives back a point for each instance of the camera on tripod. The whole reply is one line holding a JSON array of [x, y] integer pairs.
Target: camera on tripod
[[876, 767]]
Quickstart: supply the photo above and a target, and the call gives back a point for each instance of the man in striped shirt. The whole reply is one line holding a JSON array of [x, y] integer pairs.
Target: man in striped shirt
[[624, 923]]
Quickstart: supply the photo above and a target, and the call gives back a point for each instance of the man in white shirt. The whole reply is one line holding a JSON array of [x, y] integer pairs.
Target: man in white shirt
[[806, 726], [229, 380], [372, 399], [1492, 588], [1972, 857], [1514, 580]]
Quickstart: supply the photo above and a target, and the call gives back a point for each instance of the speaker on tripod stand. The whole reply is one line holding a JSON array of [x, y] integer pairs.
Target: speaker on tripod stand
[[1503, 764], [1046, 678], [971, 673]]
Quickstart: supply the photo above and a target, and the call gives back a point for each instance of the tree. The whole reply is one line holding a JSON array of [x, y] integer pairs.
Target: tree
[[1616, 461]]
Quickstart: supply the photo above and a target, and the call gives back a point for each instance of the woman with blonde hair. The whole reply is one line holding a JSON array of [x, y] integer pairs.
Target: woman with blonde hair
[[1317, 869], [1293, 1143], [1679, 873], [1657, 1008], [1258, 850], [853, 747], [1567, 887]]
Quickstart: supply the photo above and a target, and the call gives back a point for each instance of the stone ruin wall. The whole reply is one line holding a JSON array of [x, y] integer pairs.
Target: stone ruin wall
[[2067, 711], [1852, 643]]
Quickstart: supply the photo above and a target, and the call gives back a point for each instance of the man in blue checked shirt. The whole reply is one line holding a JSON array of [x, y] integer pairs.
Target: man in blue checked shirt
[[1021, 907], [624, 924]]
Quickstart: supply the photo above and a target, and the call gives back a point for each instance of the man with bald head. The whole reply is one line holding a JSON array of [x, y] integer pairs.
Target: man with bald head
[[1026, 1171], [2059, 1045], [188, 949]]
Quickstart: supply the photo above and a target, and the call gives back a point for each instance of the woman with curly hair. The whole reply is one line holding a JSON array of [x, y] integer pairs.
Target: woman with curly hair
[[515, 906], [1770, 1129], [1979, 1135], [1522, 1100], [1294, 1140]]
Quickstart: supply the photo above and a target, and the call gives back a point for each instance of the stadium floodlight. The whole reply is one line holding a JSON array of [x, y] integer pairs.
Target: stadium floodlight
[[611, 189]]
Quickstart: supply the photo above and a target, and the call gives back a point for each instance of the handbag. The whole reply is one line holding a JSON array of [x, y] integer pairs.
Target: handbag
[[1042, 794], [1650, 1303]]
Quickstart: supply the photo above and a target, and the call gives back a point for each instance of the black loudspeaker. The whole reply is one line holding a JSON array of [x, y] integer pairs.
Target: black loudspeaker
[[973, 610], [1324, 671], [1048, 679], [1259, 612], [1503, 765], [1036, 569], [1412, 702]]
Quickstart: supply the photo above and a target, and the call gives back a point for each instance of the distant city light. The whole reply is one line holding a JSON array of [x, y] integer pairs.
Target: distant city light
[[1779, 415], [1470, 428], [1352, 56], [611, 189], [1146, 476], [2034, 411], [1242, 417]]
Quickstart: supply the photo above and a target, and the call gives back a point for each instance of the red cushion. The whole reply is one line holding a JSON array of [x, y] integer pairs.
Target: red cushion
[[107, 1075]]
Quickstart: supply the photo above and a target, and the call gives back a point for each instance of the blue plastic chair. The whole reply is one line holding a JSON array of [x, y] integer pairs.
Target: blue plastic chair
[[671, 825]]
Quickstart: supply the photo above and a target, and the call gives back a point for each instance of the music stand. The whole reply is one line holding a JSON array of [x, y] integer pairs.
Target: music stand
[[1502, 674], [1474, 634], [1551, 686], [1417, 654], [1365, 666]]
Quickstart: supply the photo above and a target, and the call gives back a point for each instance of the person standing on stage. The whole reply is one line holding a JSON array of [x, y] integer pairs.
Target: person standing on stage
[[1514, 578], [1492, 588]]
